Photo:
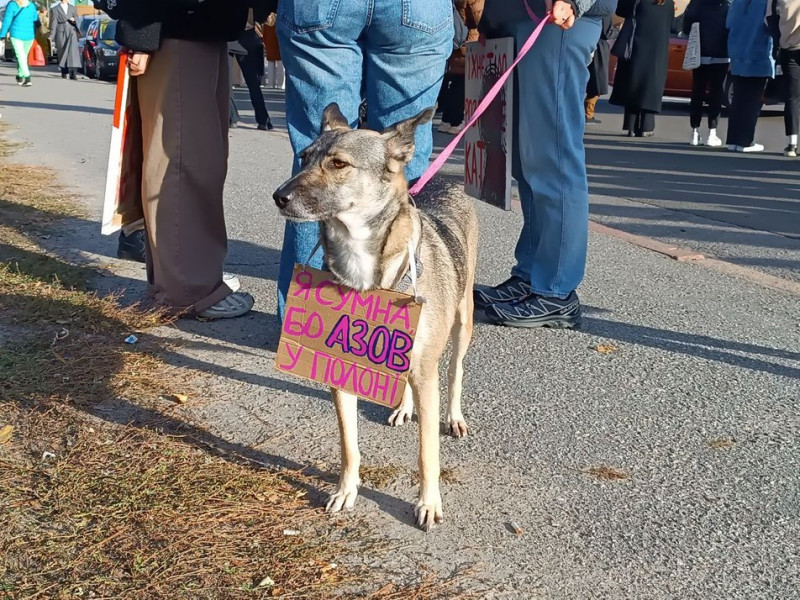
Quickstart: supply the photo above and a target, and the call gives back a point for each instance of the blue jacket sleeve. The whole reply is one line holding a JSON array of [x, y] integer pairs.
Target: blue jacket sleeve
[[11, 11]]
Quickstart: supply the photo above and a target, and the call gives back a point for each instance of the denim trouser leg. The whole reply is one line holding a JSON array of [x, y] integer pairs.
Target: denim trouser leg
[[327, 46], [549, 158]]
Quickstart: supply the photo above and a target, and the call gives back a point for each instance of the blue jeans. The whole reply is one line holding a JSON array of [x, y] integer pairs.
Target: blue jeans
[[549, 161], [393, 52]]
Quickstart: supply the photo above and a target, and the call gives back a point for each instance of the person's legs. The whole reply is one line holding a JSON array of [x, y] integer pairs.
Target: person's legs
[[318, 41], [700, 79], [752, 90], [551, 171], [407, 45], [457, 93], [185, 162], [589, 106], [646, 122], [790, 61], [629, 119], [716, 93], [21, 49], [251, 66]]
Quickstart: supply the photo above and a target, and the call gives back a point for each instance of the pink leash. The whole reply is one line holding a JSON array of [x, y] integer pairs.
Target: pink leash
[[437, 164]]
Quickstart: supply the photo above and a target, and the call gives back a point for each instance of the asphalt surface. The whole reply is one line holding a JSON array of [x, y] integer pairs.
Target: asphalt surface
[[697, 407]]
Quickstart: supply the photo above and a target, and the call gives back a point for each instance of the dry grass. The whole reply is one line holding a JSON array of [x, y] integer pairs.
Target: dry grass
[[95, 509], [722, 443], [606, 473]]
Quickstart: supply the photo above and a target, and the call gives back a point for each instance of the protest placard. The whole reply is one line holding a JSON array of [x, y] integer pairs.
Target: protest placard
[[359, 342], [487, 144], [122, 199]]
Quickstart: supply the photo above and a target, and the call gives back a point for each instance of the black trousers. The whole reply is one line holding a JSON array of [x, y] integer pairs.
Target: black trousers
[[252, 66], [711, 78], [452, 98], [790, 63], [639, 121], [748, 98]]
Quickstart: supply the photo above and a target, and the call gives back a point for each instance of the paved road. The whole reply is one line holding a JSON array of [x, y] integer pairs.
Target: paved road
[[698, 407]]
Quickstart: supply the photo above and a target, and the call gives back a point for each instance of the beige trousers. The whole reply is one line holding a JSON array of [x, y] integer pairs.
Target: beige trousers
[[183, 100]]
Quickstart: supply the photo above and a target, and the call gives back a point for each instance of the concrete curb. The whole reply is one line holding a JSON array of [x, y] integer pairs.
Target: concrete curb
[[682, 254]]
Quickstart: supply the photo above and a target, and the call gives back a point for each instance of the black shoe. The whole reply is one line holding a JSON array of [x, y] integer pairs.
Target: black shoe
[[512, 289], [72, 75], [131, 247], [537, 311], [790, 150], [266, 126], [593, 121], [63, 75], [20, 80], [27, 82]]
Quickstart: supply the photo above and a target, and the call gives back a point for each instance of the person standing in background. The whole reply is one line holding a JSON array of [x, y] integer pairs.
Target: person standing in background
[[786, 15], [598, 70], [20, 21], [272, 52], [714, 61], [752, 63], [397, 50], [252, 65], [453, 86], [64, 32], [639, 82]]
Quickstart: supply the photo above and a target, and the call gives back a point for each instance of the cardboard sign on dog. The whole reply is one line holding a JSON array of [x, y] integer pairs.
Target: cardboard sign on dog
[[359, 342]]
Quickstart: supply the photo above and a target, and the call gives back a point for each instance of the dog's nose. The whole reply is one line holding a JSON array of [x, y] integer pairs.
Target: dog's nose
[[282, 198]]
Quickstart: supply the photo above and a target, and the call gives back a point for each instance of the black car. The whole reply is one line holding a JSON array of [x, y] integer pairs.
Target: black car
[[100, 56]]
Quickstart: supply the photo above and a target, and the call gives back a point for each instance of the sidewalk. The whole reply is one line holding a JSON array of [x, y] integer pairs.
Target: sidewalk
[[666, 468]]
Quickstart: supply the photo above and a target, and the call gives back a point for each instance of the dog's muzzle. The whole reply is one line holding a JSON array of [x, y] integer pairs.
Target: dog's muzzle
[[282, 197]]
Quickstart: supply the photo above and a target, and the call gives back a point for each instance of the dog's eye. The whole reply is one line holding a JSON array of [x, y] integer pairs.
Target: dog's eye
[[338, 163]]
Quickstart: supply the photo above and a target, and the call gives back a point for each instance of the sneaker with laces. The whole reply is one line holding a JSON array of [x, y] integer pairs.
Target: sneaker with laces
[[537, 311], [695, 141], [713, 140], [512, 289], [231, 306], [132, 247], [27, 82], [20, 80], [790, 150]]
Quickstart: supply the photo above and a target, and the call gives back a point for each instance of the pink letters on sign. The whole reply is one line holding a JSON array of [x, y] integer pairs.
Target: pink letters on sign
[[357, 341]]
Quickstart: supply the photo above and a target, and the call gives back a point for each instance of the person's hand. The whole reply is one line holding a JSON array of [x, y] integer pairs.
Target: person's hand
[[561, 13], [137, 63]]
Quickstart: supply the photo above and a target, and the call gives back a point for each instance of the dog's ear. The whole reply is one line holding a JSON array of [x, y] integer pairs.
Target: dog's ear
[[400, 137], [332, 118]]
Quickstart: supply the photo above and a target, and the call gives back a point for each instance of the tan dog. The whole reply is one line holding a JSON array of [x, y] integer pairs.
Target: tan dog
[[352, 181]]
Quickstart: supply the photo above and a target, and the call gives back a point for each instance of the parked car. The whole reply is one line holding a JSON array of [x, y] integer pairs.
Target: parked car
[[100, 54], [83, 28]]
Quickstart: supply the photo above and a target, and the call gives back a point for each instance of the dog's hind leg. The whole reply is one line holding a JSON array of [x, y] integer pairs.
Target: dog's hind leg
[[426, 399], [460, 336], [402, 414], [347, 491]]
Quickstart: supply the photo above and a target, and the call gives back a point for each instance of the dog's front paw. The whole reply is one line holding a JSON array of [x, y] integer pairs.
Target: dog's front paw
[[429, 514], [401, 416], [344, 497], [458, 427]]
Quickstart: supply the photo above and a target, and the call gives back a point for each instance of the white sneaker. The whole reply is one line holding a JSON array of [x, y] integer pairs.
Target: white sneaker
[[444, 128], [751, 148], [695, 141], [233, 305], [232, 281], [713, 139], [456, 129]]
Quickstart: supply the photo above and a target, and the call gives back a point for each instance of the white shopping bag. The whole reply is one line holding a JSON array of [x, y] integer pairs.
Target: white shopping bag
[[691, 60], [122, 202]]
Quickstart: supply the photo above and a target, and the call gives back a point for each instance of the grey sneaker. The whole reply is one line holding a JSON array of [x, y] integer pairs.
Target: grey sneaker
[[512, 289], [537, 311], [231, 306]]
